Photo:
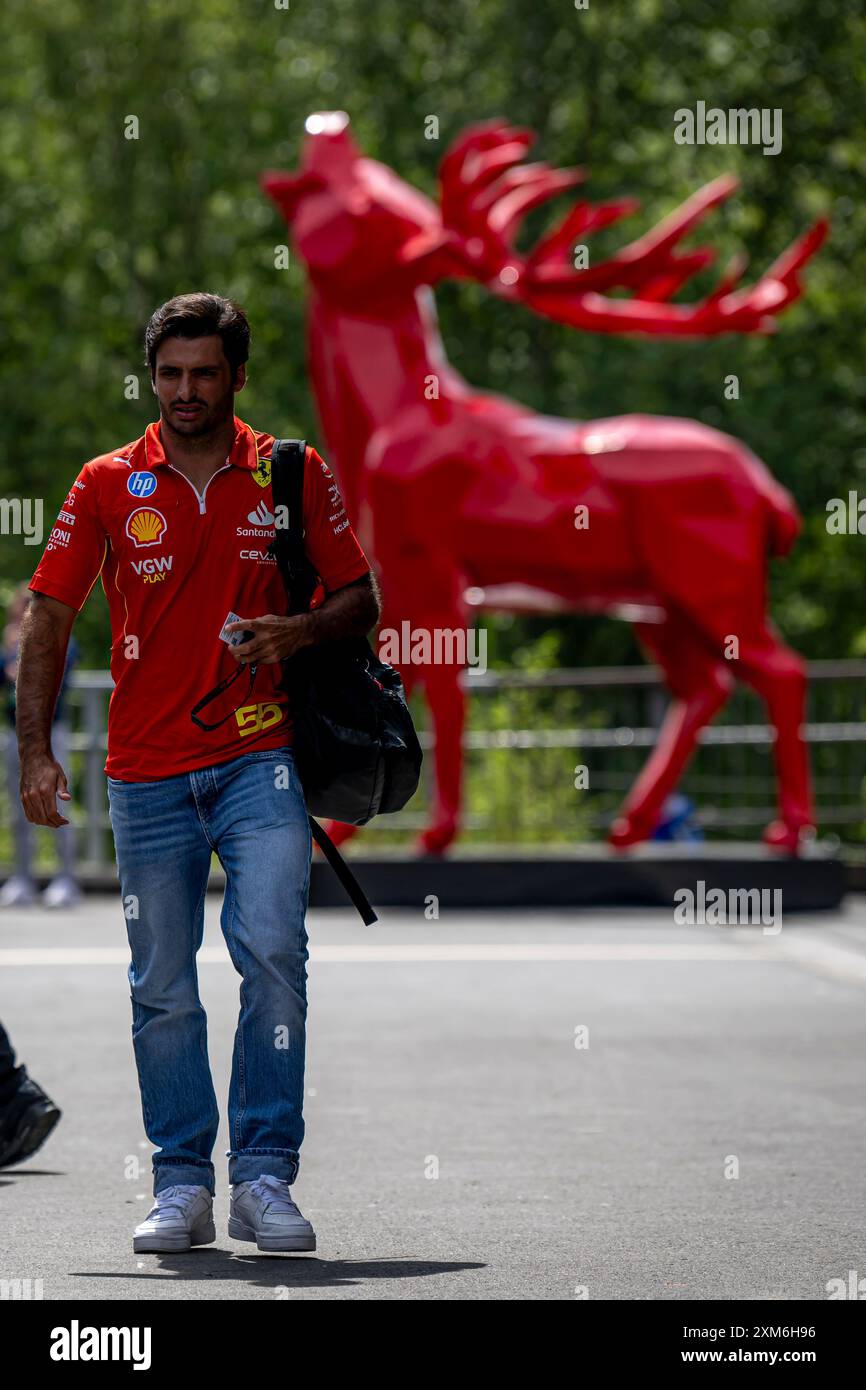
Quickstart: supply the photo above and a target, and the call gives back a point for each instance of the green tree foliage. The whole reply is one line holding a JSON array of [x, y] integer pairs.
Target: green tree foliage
[[97, 229]]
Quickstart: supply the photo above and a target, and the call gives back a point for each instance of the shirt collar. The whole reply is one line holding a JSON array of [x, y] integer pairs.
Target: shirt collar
[[243, 453]]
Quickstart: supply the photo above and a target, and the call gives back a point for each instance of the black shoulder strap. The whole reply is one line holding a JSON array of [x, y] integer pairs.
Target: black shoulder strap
[[343, 872], [287, 486]]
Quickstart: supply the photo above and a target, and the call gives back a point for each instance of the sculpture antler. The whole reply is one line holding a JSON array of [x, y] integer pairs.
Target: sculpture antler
[[486, 190]]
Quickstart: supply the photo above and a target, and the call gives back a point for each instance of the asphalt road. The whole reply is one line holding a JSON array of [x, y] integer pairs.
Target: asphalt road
[[600, 1171]]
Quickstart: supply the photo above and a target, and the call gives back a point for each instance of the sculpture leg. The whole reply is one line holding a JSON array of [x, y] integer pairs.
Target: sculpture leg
[[422, 598], [447, 704], [778, 675], [701, 685]]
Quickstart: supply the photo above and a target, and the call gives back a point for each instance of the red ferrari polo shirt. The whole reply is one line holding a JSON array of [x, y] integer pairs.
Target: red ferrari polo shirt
[[174, 565]]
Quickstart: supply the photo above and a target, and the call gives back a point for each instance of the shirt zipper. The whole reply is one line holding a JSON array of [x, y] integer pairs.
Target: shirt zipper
[[200, 495]]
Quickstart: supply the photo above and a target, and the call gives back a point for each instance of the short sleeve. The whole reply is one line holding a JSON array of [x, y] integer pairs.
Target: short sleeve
[[76, 548], [330, 542]]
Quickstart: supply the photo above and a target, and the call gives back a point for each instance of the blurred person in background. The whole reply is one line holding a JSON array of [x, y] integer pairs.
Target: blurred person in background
[[20, 890], [27, 1114]]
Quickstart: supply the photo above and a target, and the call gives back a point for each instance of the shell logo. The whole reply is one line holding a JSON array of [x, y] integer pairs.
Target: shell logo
[[146, 526]]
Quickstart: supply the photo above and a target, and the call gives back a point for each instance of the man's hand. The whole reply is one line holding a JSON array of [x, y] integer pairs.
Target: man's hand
[[347, 612], [42, 781], [45, 629], [275, 639]]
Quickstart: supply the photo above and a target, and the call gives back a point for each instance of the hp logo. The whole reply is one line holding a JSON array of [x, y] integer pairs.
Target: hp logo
[[141, 484]]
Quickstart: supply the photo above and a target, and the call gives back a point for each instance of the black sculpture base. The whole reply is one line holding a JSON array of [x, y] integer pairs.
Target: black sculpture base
[[588, 876], [585, 876]]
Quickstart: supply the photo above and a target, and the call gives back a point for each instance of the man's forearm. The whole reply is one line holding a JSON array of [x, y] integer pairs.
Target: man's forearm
[[41, 657], [349, 612]]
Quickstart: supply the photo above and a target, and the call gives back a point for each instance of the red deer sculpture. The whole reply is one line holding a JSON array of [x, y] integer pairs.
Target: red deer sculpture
[[453, 489]]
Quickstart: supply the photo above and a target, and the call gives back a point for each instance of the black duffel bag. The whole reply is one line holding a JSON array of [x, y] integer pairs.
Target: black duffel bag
[[356, 749]]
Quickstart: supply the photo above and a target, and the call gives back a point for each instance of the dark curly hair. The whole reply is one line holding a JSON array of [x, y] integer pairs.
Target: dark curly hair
[[197, 316]]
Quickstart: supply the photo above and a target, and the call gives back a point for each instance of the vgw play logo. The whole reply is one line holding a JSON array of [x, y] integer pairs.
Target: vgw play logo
[[153, 571]]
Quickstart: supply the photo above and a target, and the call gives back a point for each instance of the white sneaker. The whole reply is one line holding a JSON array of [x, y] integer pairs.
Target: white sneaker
[[62, 891], [182, 1216], [18, 891], [263, 1211]]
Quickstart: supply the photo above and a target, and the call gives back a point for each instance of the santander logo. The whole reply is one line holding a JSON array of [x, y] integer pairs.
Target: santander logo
[[262, 522]]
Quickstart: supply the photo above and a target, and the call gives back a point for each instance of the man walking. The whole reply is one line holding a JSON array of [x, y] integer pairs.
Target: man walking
[[178, 524]]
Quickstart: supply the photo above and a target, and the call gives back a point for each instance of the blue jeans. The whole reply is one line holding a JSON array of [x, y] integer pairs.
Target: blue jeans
[[251, 811]]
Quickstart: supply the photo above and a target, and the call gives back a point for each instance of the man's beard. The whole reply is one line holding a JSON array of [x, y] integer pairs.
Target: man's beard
[[202, 427]]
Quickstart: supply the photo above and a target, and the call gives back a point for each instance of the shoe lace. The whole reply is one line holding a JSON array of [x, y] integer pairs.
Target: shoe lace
[[173, 1201], [274, 1192]]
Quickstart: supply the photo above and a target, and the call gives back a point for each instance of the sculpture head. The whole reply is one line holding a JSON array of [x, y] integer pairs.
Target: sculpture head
[[355, 223], [367, 236]]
